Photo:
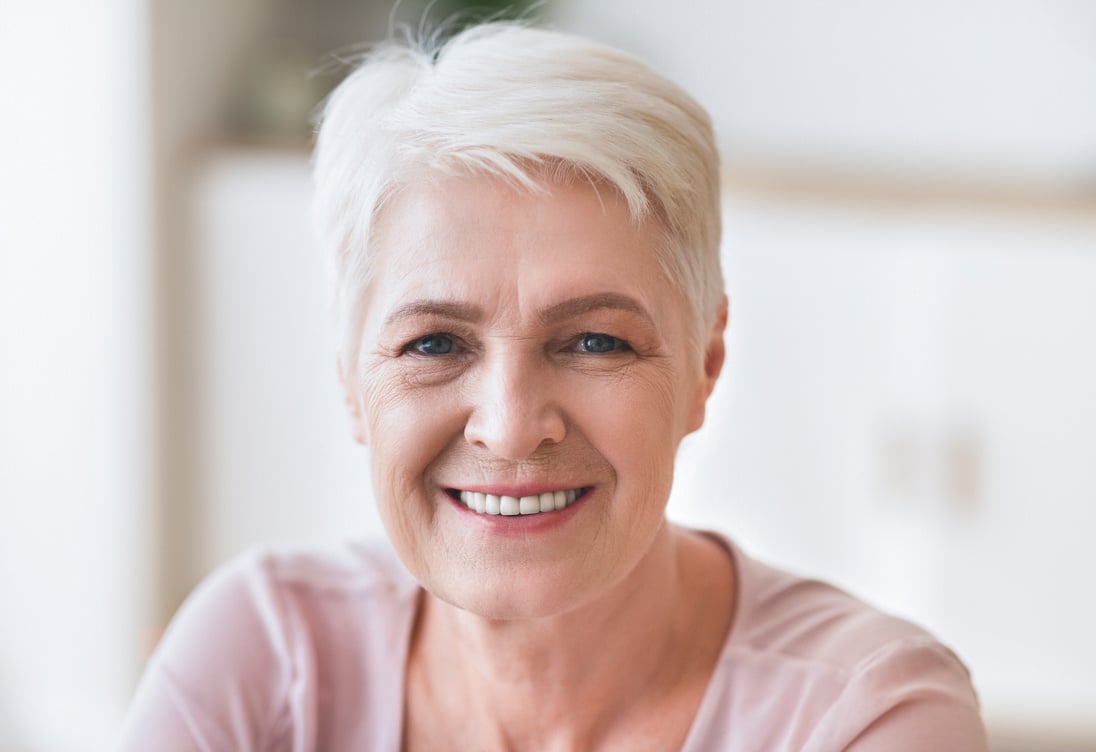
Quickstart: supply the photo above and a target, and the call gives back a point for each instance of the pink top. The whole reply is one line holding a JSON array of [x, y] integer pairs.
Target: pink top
[[306, 651]]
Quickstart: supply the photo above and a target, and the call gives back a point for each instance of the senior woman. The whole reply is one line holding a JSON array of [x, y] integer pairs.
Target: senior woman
[[526, 226]]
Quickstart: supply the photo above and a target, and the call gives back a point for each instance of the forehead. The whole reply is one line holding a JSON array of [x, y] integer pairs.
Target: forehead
[[448, 234]]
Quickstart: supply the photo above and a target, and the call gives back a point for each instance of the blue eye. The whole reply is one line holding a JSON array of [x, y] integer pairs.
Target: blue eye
[[432, 344], [594, 342]]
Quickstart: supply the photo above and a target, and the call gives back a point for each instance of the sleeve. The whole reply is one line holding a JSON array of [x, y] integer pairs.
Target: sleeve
[[220, 677], [907, 697]]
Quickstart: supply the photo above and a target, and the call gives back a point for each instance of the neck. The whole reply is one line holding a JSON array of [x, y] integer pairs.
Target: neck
[[567, 679]]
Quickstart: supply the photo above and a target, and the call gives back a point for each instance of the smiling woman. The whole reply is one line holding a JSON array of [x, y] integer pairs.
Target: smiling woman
[[548, 361], [527, 229]]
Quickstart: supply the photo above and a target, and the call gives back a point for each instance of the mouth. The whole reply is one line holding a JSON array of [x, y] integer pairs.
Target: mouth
[[512, 506]]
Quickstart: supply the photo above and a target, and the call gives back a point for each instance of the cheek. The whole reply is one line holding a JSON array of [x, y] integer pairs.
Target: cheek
[[633, 422], [408, 429], [398, 415], [406, 436]]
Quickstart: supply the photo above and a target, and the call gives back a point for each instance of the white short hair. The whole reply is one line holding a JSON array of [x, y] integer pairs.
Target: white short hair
[[513, 101]]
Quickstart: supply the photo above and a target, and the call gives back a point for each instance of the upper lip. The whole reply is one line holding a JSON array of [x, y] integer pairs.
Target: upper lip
[[517, 490]]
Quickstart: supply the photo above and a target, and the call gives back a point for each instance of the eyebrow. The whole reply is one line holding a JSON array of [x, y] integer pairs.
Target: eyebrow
[[587, 303], [553, 314], [441, 308]]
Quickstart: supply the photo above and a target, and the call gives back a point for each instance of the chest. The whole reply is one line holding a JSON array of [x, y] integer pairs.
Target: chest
[[436, 720]]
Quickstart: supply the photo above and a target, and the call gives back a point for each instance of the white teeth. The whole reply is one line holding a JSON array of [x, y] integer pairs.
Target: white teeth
[[560, 499], [549, 501]]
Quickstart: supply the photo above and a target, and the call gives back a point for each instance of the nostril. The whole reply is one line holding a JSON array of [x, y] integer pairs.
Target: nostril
[[513, 416]]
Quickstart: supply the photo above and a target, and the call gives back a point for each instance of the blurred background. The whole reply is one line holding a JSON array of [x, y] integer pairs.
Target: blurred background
[[909, 407]]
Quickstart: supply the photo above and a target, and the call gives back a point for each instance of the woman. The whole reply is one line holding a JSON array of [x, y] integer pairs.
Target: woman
[[526, 227]]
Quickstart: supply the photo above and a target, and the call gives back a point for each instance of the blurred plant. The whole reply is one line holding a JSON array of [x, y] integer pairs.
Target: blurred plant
[[283, 77], [460, 14]]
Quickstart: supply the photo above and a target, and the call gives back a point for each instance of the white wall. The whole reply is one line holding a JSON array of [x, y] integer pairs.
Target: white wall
[[963, 89], [75, 332]]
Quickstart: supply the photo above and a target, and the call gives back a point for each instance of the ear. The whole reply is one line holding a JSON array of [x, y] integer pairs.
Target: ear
[[352, 398], [715, 353]]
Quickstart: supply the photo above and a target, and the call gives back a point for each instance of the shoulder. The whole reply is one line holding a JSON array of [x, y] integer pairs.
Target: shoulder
[[260, 643], [274, 596], [826, 671], [280, 581], [794, 618]]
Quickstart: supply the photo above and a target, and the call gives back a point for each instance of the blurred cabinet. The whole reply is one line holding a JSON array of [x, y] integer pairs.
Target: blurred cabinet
[[271, 453], [909, 409]]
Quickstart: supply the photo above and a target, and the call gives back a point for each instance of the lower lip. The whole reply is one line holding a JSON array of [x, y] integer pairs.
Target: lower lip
[[521, 524]]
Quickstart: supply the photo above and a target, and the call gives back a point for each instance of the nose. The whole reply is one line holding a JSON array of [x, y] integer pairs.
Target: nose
[[513, 412]]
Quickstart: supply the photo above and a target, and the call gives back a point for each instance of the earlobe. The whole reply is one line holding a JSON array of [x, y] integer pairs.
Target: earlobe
[[353, 407], [357, 424], [715, 353]]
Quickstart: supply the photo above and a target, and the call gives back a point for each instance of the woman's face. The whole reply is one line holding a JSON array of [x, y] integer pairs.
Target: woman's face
[[518, 345]]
